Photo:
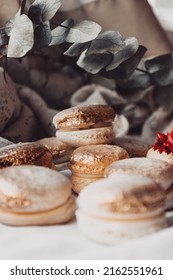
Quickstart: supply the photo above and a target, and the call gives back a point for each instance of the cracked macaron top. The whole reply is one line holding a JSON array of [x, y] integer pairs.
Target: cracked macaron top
[[25, 153], [93, 159], [84, 116]]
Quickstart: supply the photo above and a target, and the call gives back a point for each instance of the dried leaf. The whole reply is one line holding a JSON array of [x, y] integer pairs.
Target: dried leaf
[[138, 80], [126, 68], [23, 4], [59, 34], [95, 62], [43, 10], [108, 41], [3, 38], [130, 48], [163, 96], [42, 35], [161, 68], [77, 49], [83, 31], [10, 23], [21, 39]]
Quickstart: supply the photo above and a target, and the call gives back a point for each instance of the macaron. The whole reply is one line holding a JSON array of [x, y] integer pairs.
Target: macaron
[[88, 163], [60, 151], [85, 125], [135, 147], [34, 196], [25, 153], [160, 171], [120, 208], [163, 147]]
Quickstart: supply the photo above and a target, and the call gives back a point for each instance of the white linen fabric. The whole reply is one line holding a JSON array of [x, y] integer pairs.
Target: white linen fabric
[[65, 242]]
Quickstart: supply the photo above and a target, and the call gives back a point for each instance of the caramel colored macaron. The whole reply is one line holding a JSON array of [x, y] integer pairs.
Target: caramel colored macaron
[[85, 125], [89, 162], [25, 153], [34, 195], [60, 151], [135, 147], [160, 171], [120, 208]]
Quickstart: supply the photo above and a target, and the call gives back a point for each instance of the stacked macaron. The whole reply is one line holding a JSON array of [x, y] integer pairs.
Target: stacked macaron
[[25, 153], [85, 125], [120, 208], [160, 171], [34, 195], [89, 162]]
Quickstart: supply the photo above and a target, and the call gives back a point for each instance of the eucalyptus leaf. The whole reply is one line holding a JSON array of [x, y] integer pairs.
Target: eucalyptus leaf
[[43, 10], [161, 68], [163, 96], [9, 23], [42, 35], [126, 68], [22, 37], [59, 34], [138, 80], [95, 62], [83, 31], [130, 48], [3, 37], [23, 4], [108, 41], [3, 51], [77, 49]]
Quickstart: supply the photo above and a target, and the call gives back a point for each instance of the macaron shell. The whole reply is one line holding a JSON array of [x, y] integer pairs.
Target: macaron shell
[[57, 148], [122, 197], [134, 147], [162, 156], [83, 116], [25, 153], [80, 182], [115, 232], [93, 159], [32, 188], [159, 170], [59, 215], [102, 135]]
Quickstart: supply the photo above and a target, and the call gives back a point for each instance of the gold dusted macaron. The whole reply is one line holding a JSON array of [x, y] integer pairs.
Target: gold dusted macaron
[[60, 151], [85, 125], [25, 153], [89, 162]]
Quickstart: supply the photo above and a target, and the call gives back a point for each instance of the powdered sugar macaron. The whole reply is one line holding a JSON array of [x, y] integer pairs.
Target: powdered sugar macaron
[[34, 195], [85, 125], [120, 208], [159, 170]]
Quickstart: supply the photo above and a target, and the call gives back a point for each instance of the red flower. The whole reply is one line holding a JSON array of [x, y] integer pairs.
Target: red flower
[[164, 143]]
